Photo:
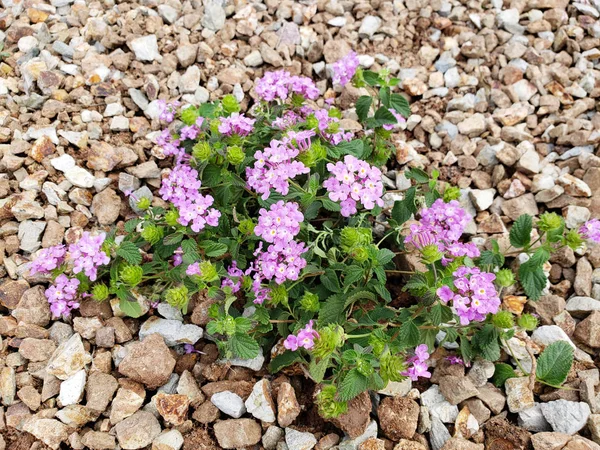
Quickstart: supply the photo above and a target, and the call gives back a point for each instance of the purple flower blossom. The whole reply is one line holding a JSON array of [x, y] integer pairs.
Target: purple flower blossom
[[419, 367], [170, 146], [189, 132], [591, 230], [87, 254], [178, 257], [233, 280], [354, 181], [455, 360], [274, 167], [61, 295], [236, 124], [305, 338], [475, 296], [399, 118], [182, 188], [279, 224], [329, 127], [281, 84], [345, 68], [47, 260], [167, 110], [193, 269], [282, 263]]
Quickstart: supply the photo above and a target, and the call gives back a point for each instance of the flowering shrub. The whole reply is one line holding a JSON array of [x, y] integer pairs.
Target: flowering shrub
[[278, 216]]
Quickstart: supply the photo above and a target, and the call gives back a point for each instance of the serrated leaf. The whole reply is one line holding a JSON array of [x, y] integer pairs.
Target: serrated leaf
[[385, 255], [502, 373], [130, 253], [490, 258], [285, 359], [409, 334], [520, 233], [419, 175], [363, 104], [132, 224], [371, 78], [330, 281], [173, 239], [400, 105], [384, 116], [533, 280], [317, 370], [213, 249], [355, 148], [353, 384], [332, 310], [244, 346], [330, 205], [384, 96], [130, 308], [440, 314], [352, 274], [360, 295], [554, 363]]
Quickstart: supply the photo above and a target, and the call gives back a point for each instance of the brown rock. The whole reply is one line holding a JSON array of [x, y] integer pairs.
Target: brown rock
[[398, 417], [11, 293], [150, 362], [100, 389], [130, 398], [172, 407], [97, 440], [549, 441], [237, 433], [354, 422], [33, 307], [41, 148], [106, 206], [461, 444], [30, 396], [405, 444], [287, 405], [37, 349], [524, 204], [583, 279], [372, 444], [241, 388], [457, 389], [588, 330], [547, 307], [137, 431], [206, 413]]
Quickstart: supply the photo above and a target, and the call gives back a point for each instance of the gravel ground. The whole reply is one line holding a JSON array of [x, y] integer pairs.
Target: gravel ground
[[504, 101]]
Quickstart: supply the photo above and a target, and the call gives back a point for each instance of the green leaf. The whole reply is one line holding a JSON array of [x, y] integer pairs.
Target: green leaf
[[409, 334], [371, 78], [466, 349], [363, 104], [213, 249], [554, 363], [419, 175], [385, 255], [360, 295], [330, 205], [533, 280], [330, 281], [129, 308], [352, 274], [190, 250], [356, 148], [353, 384], [384, 96], [520, 233], [440, 314], [332, 310], [130, 253], [405, 208], [312, 210], [383, 116], [317, 370], [502, 373], [486, 342], [490, 258], [400, 105], [173, 239], [244, 346], [132, 224], [285, 359]]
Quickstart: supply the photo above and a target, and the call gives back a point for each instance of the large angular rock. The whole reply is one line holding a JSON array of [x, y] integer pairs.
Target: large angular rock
[[137, 431], [398, 417], [50, 431], [99, 390], [69, 358], [149, 362], [565, 416], [173, 332], [260, 403], [237, 433]]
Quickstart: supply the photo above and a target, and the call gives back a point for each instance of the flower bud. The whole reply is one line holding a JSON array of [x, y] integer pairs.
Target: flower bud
[[329, 407], [208, 272], [505, 278], [330, 338], [360, 254], [189, 115], [235, 155], [246, 227], [573, 239], [143, 203], [100, 292], [152, 233], [391, 366], [351, 238], [312, 122], [177, 297], [334, 112], [131, 275], [230, 104], [171, 217], [214, 126], [279, 295], [310, 302], [431, 254], [202, 151], [451, 193], [528, 322], [550, 221], [503, 319]]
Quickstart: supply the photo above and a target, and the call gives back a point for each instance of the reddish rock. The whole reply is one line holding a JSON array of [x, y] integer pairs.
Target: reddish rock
[[149, 362], [173, 407], [398, 417]]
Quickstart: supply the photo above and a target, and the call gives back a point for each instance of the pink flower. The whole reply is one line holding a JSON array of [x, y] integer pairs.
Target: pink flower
[[178, 257], [305, 338], [419, 367], [345, 68], [591, 230], [236, 124], [48, 259], [193, 269], [87, 254], [280, 84], [455, 360], [61, 295]]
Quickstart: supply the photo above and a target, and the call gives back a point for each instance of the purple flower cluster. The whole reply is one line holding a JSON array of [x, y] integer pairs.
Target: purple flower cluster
[[87, 254], [280, 223], [236, 124], [167, 111], [284, 264], [418, 363], [191, 131], [170, 146], [62, 295], [234, 278], [305, 338], [48, 259], [345, 68], [591, 230], [193, 269], [329, 127], [182, 188], [442, 224], [354, 180], [281, 84], [273, 168], [475, 295]]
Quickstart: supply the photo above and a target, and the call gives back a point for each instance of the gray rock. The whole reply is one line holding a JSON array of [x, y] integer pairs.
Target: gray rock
[[137, 431], [214, 15], [369, 26], [297, 440], [229, 403], [582, 306], [259, 403], [168, 440], [565, 416], [145, 48], [354, 444], [438, 406], [30, 235], [271, 437], [253, 364], [439, 434], [547, 334], [532, 419], [174, 332]]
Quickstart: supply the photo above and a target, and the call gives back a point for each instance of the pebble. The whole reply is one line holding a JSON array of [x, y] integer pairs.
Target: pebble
[[298, 440], [229, 403], [71, 390], [145, 48], [173, 332], [137, 431], [259, 403], [237, 433], [565, 416]]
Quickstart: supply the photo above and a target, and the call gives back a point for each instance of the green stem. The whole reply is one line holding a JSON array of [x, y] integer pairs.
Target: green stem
[[514, 357], [357, 336]]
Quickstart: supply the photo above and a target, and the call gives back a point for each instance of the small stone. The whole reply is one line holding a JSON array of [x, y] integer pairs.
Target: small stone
[[472, 126], [173, 332], [457, 389], [532, 419], [137, 431], [214, 16], [100, 389], [271, 437], [482, 198], [69, 358], [8, 385], [438, 406], [71, 390], [565, 416], [130, 398], [298, 440], [168, 440], [588, 330], [398, 417], [97, 440], [259, 403], [519, 395], [145, 48], [50, 431], [369, 26], [287, 405], [172, 407], [229, 403], [237, 433], [149, 362], [30, 396], [36, 350]]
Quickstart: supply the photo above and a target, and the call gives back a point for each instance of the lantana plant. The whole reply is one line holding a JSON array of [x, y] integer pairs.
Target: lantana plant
[[278, 216]]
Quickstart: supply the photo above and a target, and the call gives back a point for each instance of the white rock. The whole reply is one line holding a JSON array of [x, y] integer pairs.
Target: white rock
[[30, 234], [113, 109], [581, 306], [214, 15], [397, 388], [145, 48], [524, 90], [229, 403], [339, 21], [173, 331], [119, 123], [253, 364], [354, 444], [168, 311], [532, 419], [547, 334], [63, 163], [260, 403], [369, 26], [27, 43], [438, 406], [71, 390], [253, 59], [439, 434], [576, 216], [69, 358], [298, 440], [168, 440], [36, 133], [565, 416], [482, 198]]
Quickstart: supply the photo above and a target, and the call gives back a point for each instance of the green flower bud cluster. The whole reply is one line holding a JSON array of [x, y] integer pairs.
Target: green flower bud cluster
[[505, 278], [431, 253], [329, 407], [230, 104], [312, 122], [528, 322], [152, 234], [550, 221], [246, 227], [143, 203], [351, 238], [208, 272], [189, 115], [100, 292], [171, 217], [330, 338], [202, 151], [279, 295], [573, 239], [451, 193], [131, 275], [235, 155], [391, 366], [310, 302], [503, 319], [315, 153], [177, 297]]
